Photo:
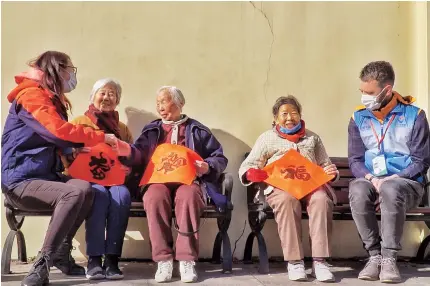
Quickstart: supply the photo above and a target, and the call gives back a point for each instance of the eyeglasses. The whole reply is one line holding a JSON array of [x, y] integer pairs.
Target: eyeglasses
[[75, 69]]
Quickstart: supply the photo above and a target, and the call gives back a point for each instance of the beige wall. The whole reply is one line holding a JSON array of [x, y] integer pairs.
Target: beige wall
[[231, 65]]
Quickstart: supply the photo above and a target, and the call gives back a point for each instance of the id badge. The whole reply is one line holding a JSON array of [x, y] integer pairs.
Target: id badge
[[379, 166]]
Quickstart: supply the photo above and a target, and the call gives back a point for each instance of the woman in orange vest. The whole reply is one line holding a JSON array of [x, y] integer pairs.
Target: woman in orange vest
[[188, 200], [289, 132]]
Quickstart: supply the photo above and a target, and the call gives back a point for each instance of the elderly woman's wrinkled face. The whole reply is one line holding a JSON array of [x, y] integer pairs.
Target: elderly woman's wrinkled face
[[288, 116], [167, 108], [106, 98]]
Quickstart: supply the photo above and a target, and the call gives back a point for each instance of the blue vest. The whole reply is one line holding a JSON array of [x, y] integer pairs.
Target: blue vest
[[395, 144]]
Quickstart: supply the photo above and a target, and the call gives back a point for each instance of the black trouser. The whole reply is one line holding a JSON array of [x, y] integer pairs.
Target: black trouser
[[71, 202]]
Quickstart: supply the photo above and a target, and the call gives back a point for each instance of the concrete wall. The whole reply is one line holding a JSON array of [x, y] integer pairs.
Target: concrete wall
[[231, 60]]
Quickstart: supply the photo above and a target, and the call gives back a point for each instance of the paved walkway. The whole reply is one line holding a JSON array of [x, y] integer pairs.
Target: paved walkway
[[246, 275]]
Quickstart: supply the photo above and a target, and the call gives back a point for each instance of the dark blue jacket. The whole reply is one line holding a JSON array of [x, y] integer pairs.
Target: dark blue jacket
[[198, 138]]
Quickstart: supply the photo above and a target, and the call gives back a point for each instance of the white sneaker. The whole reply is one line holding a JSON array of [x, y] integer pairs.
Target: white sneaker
[[321, 271], [188, 272], [296, 271], [164, 271]]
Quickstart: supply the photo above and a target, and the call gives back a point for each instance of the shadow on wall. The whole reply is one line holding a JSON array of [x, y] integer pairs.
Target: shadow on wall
[[137, 119], [234, 150]]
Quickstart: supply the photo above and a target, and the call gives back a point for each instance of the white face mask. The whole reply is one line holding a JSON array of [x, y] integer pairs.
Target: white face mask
[[371, 101]]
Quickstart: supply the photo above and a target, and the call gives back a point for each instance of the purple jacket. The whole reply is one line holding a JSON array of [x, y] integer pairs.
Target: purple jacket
[[198, 138]]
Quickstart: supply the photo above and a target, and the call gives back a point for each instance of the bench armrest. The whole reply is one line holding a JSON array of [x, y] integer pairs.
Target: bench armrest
[[227, 187]]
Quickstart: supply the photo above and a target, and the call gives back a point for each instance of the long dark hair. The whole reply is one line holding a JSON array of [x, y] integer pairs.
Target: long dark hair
[[51, 63]]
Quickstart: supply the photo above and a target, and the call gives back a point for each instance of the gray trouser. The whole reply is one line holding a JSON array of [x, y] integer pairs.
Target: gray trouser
[[396, 196]]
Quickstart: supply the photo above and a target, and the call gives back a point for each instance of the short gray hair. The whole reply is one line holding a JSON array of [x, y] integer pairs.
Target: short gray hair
[[176, 94], [381, 71], [102, 83]]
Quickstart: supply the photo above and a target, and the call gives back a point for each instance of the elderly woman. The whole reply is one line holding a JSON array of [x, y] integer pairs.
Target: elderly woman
[[288, 133], [111, 205], [188, 200]]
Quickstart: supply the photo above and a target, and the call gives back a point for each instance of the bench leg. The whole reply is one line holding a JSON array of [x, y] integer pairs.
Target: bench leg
[[216, 252], [247, 255], [227, 259], [256, 222], [223, 240], [15, 224], [263, 256], [420, 257], [22, 249], [7, 250]]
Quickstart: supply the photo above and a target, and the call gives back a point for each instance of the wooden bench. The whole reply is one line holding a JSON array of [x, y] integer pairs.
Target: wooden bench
[[259, 212], [15, 219]]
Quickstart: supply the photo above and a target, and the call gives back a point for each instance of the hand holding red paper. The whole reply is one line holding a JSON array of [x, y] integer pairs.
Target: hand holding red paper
[[331, 170], [123, 148], [111, 140], [256, 175], [202, 168], [99, 165], [296, 175]]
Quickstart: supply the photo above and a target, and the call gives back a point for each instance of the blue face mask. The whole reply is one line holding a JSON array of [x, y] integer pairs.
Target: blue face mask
[[293, 130], [70, 84]]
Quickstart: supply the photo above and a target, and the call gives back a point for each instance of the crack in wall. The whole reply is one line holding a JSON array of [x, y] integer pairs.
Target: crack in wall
[[271, 45]]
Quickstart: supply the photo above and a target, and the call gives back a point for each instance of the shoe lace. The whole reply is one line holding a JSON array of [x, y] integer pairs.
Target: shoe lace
[[71, 259], [164, 266], [391, 262], [374, 259], [189, 266], [43, 258], [297, 266], [322, 265]]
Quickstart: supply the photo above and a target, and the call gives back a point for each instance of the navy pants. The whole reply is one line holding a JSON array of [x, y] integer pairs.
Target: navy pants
[[110, 213]]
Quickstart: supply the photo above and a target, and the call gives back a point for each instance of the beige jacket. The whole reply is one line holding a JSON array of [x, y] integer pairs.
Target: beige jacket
[[271, 147]]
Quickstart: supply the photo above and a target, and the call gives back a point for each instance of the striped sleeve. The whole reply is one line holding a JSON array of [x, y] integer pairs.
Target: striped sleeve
[[38, 112], [419, 147], [356, 151]]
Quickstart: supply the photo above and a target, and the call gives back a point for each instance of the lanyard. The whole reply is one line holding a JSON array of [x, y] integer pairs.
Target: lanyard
[[382, 129]]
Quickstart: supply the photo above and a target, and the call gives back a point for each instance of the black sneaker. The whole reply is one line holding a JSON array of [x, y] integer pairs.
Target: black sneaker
[[39, 272], [111, 267], [63, 260], [94, 268]]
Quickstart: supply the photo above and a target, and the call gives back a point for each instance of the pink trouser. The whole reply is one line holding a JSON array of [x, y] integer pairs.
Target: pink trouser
[[189, 205], [288, 216]]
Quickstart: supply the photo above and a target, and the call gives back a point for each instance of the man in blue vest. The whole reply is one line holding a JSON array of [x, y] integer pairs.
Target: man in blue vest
[[389, 154]]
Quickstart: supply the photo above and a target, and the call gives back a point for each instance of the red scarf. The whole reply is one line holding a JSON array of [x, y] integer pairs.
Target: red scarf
[[108, 121], [293, 137]]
